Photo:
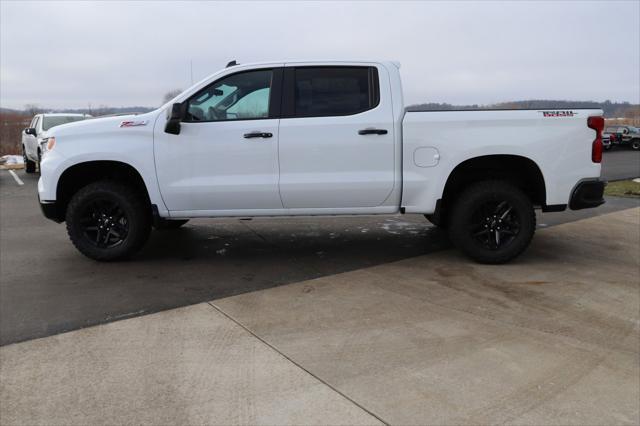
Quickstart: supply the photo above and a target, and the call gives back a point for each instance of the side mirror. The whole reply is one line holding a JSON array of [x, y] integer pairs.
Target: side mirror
[[30, 131], [173, 119]]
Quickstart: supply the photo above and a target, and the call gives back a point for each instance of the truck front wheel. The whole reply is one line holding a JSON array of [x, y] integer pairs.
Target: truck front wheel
[[108, 220], [492, 222], [29, 166]]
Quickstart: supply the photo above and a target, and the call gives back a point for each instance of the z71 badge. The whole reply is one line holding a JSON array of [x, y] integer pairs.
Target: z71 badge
[[558, 113], [133, 123]]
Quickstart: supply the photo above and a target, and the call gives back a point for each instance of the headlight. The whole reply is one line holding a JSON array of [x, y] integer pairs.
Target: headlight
[[47, 144]]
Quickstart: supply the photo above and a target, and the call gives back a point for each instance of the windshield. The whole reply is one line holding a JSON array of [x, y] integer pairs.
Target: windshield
[[56, 120]]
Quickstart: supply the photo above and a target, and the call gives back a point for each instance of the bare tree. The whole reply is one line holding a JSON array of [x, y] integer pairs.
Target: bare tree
[[32, 109], [170, 95]]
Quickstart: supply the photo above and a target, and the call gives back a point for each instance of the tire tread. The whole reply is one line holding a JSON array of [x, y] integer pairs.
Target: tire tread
[[465, 204], [140, 222]]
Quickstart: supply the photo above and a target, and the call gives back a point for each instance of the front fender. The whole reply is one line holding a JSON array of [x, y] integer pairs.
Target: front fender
[[131, 147]]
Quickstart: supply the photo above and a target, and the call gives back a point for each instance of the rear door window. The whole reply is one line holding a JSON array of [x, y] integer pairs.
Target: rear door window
[[334, 91]]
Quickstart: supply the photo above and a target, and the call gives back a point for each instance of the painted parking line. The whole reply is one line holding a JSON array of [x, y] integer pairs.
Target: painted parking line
[[16, 178]]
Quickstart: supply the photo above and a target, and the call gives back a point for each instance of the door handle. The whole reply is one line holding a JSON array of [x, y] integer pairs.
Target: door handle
[[372, 132], [258, 135]]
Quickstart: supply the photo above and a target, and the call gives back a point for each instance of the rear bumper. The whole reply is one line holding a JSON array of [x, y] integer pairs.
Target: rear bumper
[[587, 194]]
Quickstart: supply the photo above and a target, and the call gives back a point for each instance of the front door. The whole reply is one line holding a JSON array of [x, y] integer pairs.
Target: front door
[[226, 155]]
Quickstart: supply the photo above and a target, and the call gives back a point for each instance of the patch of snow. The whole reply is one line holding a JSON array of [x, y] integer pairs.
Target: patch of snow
[[393, 226], [11, 159]]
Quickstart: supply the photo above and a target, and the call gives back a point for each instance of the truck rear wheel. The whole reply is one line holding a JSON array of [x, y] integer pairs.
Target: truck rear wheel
[[635, 144], [107, 220], [492, 222]]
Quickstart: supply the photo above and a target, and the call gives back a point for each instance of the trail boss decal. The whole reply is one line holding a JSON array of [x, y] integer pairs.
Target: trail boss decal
[[133, 123], [558, 113]]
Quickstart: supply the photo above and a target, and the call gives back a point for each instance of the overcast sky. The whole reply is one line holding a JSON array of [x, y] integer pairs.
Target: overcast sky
[[59, 54]]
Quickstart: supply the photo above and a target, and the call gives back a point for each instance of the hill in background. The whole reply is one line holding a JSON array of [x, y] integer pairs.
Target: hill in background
[[12, 121]]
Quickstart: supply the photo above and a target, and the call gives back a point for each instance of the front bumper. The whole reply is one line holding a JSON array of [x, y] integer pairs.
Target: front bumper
[[51, 210], [587, 194]]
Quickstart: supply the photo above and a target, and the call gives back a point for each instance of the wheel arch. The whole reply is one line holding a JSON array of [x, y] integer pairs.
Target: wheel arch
[[517, 169], [81, 174]]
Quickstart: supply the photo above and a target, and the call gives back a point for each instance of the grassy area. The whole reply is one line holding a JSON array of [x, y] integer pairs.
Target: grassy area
[[623, 188]]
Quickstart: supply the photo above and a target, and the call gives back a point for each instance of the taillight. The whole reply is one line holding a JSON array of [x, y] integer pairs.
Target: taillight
[[597, 124]]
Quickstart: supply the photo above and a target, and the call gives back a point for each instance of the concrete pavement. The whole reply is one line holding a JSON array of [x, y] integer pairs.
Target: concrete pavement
[[184, 366], [552, 338]]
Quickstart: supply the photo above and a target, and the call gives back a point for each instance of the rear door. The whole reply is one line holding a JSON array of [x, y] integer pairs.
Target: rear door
[[336, 138]]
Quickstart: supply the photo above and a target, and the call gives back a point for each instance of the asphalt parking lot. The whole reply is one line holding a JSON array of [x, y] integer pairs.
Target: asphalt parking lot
[[47, 287], [620, 163]]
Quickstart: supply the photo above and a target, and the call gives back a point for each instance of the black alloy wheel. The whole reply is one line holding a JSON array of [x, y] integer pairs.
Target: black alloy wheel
[[492, 221], [104, 223], [495, 224], [108, 220]]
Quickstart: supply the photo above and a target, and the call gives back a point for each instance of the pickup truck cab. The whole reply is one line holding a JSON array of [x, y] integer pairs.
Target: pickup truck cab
[[318, 138], [34, 137]]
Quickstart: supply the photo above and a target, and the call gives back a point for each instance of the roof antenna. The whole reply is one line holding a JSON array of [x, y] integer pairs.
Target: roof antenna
[[232, 63]]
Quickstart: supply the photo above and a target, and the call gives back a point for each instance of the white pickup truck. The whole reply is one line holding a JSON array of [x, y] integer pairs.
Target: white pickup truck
[[35, 136], [318, 138]]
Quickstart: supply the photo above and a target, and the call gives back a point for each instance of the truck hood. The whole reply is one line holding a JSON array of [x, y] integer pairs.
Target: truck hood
[[106, 124]]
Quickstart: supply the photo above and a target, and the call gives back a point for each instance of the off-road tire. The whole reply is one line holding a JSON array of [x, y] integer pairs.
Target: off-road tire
[[168, 224], [131, 203], [466, 211], [29, 166]]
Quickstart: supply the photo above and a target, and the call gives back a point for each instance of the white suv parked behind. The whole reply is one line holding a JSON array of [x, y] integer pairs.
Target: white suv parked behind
[[34, 137]]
